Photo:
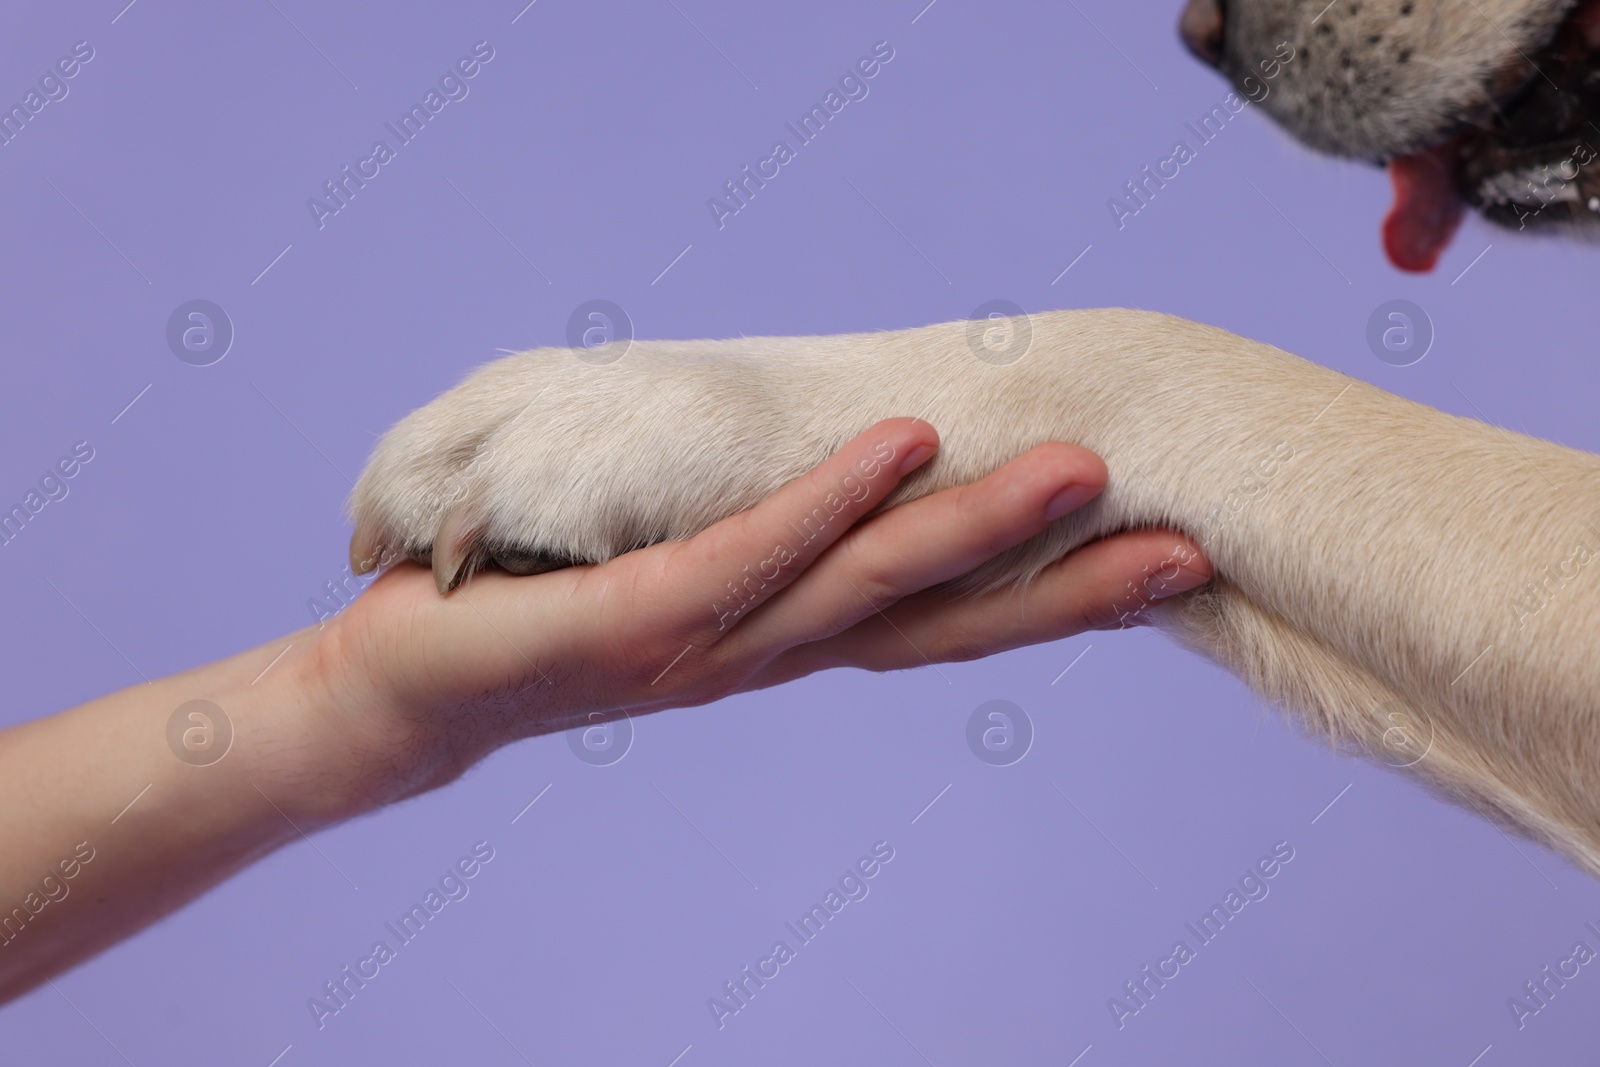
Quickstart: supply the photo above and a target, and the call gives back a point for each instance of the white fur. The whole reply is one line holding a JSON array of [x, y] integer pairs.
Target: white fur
[[1373, 573]]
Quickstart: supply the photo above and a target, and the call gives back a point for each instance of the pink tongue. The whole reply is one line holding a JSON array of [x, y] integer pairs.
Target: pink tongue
[[1426, 209]]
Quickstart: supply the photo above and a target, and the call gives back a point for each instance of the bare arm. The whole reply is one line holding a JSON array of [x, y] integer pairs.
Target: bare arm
[[112, 816], [104, 829]]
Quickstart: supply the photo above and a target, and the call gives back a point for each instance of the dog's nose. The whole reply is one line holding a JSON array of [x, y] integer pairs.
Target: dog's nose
[[1201, 30]]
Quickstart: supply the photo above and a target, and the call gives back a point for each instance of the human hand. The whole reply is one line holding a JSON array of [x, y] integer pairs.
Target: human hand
[[423, 686], [406, 689]]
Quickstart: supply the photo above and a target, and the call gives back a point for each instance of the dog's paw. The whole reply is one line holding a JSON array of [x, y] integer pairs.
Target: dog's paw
[[542, 460]]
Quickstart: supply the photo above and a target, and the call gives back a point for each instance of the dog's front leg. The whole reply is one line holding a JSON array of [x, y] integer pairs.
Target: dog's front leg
[[1416, 584], [1374, 556]]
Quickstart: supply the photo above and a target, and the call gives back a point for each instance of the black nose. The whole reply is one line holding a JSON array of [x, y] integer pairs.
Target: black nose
[[1201, 30]]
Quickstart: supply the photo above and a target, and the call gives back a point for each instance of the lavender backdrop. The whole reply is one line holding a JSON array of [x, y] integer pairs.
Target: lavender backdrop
[[1021, 898]]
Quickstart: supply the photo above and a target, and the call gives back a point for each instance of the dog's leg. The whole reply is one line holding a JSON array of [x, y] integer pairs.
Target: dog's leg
[[1374, 555]]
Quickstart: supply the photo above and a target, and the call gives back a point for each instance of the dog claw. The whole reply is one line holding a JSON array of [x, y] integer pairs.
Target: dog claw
[[365, 551], [453, 549]]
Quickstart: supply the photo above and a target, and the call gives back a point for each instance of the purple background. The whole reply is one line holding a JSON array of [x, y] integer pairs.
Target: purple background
[[1010, 914]]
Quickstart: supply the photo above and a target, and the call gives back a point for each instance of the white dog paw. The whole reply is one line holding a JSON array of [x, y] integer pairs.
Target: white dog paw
[[542, 460]]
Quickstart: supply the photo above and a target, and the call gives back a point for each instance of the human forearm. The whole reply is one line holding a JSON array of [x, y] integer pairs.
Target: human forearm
[[105, 828], [406, 689]]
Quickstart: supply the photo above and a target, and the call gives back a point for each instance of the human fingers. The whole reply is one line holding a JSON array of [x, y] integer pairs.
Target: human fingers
[[717, 578], [1108, 584], [925, 542]]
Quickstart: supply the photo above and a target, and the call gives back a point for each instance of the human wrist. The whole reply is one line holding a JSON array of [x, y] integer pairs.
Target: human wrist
[[306, 738], [345, 734]]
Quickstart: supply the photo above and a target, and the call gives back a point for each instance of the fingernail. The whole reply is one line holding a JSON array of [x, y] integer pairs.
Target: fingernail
[[915, 458], [1068, 500], [1181, 582]]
